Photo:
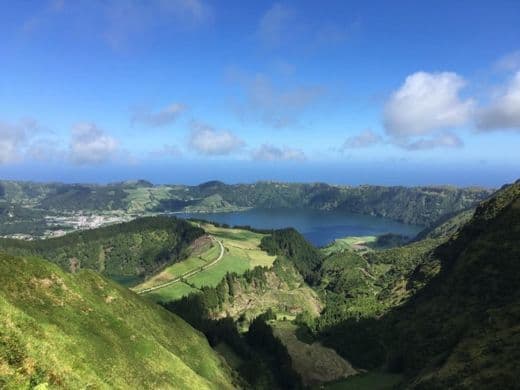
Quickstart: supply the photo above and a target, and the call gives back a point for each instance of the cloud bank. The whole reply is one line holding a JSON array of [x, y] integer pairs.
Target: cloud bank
[[166, 116], [441, 140], [504, 110], [267, 152], [12, 137], [362, 140], [273, 105]]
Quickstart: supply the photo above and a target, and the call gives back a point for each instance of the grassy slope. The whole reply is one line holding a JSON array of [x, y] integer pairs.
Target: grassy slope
[[171, 293], [81, 330], [447, 226]]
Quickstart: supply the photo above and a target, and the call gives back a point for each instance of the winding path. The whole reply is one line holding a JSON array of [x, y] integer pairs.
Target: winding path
[[187, 274]]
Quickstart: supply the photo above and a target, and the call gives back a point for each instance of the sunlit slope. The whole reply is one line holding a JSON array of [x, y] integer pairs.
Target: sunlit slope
[[82, 330]]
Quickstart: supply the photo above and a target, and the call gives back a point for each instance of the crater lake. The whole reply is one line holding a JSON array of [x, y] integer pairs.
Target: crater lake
[[318, 226]]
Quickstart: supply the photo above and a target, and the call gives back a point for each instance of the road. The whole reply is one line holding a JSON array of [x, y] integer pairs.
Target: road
[[189, 273]]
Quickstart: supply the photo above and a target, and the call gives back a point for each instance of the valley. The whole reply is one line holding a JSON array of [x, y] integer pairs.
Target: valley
[[259, 195], [328, 316]]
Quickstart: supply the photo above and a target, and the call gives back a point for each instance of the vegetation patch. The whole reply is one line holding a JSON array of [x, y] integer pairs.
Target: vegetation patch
[[373, 380], [125, 250]]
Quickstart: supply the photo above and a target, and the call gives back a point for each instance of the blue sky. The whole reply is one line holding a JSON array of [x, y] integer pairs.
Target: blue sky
[[183, 91]]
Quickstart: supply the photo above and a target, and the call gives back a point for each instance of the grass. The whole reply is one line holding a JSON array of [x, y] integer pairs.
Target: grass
[[233, 261], [242, 252], [171, 292], [83, 331]]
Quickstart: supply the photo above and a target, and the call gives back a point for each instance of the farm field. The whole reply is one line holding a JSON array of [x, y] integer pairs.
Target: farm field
[[241, 252], [352, 243]]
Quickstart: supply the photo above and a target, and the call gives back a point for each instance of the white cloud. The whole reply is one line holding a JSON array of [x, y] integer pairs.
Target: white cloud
[[44, 150], [163, 117], [504, 110], [12, 137], [91, 145], [15, 138], [362, 140], [425, 104], [272, 105], [268, 152], [206, 140]]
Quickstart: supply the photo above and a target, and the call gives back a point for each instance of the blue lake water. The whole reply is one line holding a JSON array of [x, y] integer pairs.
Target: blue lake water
[[319, 227]]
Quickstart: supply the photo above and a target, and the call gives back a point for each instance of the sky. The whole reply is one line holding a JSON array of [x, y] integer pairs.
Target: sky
[[185, 91]]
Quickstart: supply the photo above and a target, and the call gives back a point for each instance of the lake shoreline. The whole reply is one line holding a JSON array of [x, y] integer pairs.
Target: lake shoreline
[[320, 227]]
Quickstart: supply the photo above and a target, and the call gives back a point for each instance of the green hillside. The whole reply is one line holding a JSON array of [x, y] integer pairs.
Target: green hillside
[[443, 312], [463, 329], [123, 251], [84, 331], [291, 244], [447, 225]]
